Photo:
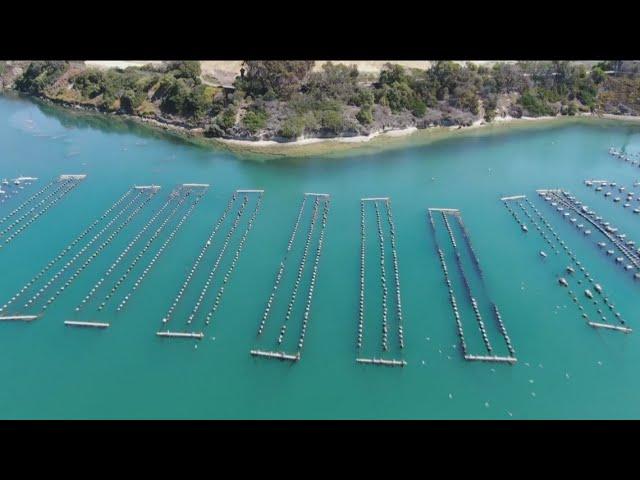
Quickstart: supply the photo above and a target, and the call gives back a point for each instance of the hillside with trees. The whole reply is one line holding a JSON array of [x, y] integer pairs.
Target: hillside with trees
[[285, 100]]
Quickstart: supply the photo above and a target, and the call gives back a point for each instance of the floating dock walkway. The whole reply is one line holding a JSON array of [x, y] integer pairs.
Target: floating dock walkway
[[73, 323], [319, 215]]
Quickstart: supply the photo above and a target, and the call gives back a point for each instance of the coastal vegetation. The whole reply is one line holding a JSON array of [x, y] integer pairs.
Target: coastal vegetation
[[286, 100]]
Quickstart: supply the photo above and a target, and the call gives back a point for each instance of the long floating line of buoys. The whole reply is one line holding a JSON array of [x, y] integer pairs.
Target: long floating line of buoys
[[474, 303], [539, 229], [303, 261], [198, 260], [281, 268], [82, 251], [452, 297], [27, 202], [378, 203], [128, 248], [467, 239], [587, 278], [99, 250], [506, 202], [494, 307], [314, 274], [295, 227], [61, 188], [66, 250], [362, 277], [566, 201], [320, 198], [627, 157], [383, 279], [221, 253], [511, 359], [234, 262], [38, 214], [157, 255]]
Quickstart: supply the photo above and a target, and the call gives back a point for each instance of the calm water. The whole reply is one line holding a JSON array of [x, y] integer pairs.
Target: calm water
[[565, 369]]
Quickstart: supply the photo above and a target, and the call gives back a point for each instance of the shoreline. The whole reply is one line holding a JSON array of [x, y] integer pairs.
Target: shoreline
[[326, 146]]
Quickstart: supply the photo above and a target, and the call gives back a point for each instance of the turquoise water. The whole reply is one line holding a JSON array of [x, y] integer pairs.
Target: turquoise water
[[565, 369]]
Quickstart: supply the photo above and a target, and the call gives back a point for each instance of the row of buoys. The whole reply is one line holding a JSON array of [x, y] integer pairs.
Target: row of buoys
[[503, 330], [66, 250], [214, 269], [99, 250], [452, 297], [157, 255], [396, 273], [280, 272], [538, 228], [523, 226], [314, 274], [606, 229], [199, 258], [234, 261], [38, 214], [467, 239], [474, 304], [587, 276], [181, 200], [41, 203], [303, 262], [383, 279], [362, 277], [618, 239], [82, 251], [295, 226], [126, 251], [27, 202], [627, 157]]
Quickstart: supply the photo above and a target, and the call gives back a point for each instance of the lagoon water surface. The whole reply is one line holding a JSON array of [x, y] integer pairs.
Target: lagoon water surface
[[565, 369]]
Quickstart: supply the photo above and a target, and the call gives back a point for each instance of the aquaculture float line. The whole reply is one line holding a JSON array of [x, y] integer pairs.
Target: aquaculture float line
[[303, 261], [445, 212], [199, 258], [378, 203], [158, 253], [239, 215], [60, 191], [585, 273], [214, 269], [98, 251], [27, 202], [126, 251], [314, 274], [234, 261], [71, 245], [474, 304], [605, 228], [319, 198]]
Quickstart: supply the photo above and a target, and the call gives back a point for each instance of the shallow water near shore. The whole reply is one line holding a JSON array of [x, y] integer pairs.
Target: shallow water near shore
[[565, 369]]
